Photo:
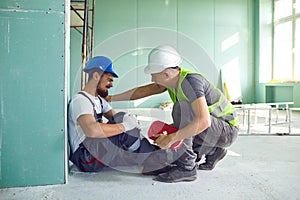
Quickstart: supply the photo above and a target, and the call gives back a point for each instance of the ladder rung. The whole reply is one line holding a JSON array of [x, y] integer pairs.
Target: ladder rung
[[77, 1]]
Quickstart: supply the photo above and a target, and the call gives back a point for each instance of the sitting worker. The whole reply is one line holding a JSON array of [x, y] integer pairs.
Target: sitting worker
[[207, 122], [95, 144]]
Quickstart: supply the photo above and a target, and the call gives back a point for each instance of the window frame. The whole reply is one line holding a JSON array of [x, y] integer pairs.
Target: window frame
[[291, 18]]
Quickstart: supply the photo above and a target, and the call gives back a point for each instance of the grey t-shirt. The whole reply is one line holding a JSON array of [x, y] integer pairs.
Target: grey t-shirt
[[195, 86]]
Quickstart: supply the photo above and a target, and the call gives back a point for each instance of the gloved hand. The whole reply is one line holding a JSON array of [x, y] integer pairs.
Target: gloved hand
[[130, 122]]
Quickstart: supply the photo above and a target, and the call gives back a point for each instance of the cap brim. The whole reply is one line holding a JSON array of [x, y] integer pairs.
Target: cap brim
[[86, 70], [112, 72], [115, 75]]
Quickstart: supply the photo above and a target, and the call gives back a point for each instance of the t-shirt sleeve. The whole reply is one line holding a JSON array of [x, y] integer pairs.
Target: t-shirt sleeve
[[80, 105], [193, 87]]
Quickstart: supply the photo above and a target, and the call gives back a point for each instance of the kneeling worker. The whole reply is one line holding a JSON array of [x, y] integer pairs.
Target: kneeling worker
[[207, 122]]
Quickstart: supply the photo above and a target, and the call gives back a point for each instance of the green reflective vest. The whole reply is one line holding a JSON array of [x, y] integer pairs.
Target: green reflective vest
[[221, 109]]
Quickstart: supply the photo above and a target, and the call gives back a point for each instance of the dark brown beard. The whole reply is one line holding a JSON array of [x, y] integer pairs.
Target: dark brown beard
[[102, 93]]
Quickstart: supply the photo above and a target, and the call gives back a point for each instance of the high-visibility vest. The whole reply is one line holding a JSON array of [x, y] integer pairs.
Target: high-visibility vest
[[221, 109]]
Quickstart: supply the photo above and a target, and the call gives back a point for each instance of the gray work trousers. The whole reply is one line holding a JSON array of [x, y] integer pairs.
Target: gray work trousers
[[219, 135], [124, 150]]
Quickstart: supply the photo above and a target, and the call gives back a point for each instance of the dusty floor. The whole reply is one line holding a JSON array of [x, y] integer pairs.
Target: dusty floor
[[256, 167]]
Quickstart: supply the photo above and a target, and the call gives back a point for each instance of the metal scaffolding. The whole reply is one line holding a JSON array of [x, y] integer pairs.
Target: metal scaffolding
[[82, 20]]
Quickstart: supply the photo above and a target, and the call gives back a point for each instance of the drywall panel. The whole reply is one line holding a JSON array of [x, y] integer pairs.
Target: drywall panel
[[196, 37], [234, 41], [31, 93], [196, 21], [157, 25], [115, 37], [33, 5]]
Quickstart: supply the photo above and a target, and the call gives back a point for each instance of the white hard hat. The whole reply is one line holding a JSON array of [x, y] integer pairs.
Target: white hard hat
[[162, 57]]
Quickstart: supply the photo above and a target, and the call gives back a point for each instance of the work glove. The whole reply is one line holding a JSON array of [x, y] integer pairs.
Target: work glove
[[130, 122]]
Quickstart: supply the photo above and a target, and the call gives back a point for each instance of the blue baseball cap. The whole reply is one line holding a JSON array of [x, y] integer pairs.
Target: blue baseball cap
[[100, 62]]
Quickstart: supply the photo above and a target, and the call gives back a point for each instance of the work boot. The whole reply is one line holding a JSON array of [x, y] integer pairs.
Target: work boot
[[198, 156], [177, 174], [211, 160], [158, 171]]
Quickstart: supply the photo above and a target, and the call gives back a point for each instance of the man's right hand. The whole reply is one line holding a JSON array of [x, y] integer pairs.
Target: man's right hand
[[130, 122]]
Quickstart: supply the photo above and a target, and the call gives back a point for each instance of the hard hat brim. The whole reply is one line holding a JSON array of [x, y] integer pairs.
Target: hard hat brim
[[153, 69]]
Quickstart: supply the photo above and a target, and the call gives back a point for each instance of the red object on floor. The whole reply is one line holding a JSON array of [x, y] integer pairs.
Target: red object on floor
[[159, 127]]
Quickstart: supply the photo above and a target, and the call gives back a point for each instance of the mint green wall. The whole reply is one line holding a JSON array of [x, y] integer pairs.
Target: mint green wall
[[296, 95], [236, 17], [31, 93], [263, 47], [197, 28], [281, 92]]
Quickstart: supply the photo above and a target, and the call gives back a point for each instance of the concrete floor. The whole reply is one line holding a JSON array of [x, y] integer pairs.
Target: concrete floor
[[256, 167]]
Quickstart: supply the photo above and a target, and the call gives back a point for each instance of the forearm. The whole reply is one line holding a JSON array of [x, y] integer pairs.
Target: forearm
[[200, 122], [125, 96], [197, 126], [194, 128], [102, 130], [138, 93]]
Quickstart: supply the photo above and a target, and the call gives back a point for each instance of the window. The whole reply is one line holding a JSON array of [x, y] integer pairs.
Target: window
[[297, 6], [283, 8], [297, 49], [282, 51], [286, 43]]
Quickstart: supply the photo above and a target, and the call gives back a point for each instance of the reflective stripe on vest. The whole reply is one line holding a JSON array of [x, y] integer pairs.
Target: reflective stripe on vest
[[222, 108]]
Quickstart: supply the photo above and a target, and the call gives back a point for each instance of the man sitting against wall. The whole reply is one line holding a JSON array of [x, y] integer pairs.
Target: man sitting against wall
[[94, 144]]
